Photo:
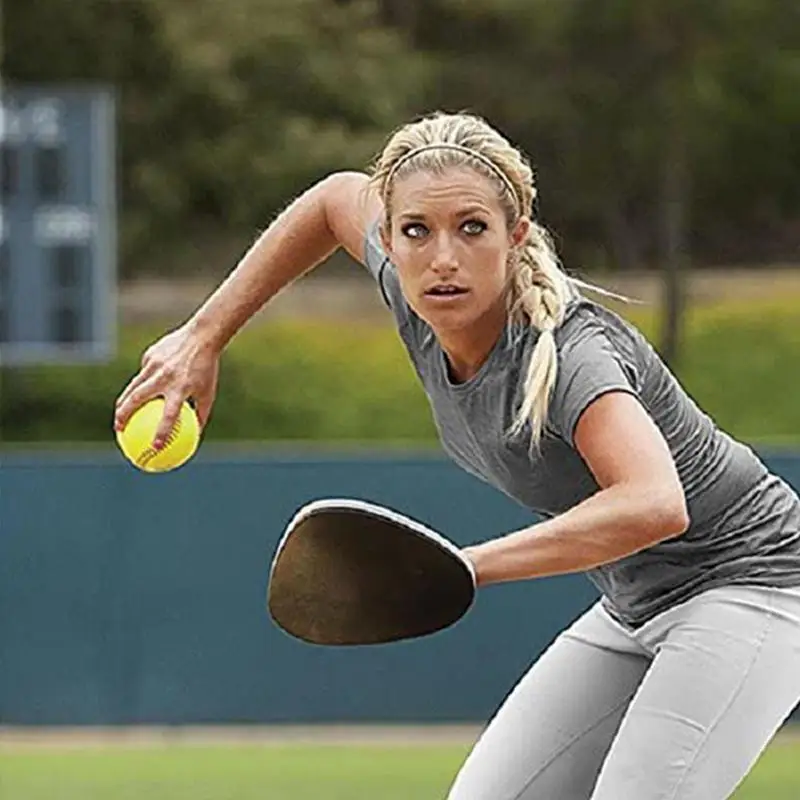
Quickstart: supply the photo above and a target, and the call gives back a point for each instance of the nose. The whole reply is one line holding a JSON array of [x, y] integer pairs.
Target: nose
[[445, 261]]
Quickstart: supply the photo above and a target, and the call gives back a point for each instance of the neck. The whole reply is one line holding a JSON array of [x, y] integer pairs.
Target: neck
[[468, 348]]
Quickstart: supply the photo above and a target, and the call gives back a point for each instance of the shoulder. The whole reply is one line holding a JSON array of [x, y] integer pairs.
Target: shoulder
[[597, 354], [351, 208], [585, 319], [590, 328]]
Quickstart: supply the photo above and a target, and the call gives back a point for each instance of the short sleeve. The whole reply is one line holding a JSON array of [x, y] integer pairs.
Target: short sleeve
[[385, 274], [588, 368]]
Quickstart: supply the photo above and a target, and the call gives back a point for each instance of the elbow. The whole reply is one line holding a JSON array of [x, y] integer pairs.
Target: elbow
[[679, 521], [668, 514]]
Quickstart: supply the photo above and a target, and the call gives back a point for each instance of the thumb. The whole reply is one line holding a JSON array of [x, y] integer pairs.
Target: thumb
[[172, 409]]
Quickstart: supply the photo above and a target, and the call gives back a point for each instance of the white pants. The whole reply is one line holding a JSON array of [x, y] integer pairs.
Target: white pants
[[679, 710]]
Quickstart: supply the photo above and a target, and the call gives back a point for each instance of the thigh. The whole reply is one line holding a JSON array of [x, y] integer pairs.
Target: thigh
[[725, 678], [550, 736]]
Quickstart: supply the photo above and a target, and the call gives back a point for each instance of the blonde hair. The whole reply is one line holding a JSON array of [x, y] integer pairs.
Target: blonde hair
[[538, 289]]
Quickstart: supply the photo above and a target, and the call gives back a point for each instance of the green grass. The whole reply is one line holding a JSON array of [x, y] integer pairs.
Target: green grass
[[286, 773]]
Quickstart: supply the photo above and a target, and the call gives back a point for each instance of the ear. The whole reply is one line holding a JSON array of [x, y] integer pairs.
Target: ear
[[520, 231]]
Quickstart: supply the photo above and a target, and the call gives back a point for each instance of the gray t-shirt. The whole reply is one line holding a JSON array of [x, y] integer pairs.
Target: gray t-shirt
[[745, 521]]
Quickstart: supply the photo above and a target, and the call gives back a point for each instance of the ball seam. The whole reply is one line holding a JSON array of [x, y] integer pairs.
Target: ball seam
[[150, 453]]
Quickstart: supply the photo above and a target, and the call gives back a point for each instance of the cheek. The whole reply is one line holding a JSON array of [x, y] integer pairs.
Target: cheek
[[493, 276], [409, 271], [410, 263]]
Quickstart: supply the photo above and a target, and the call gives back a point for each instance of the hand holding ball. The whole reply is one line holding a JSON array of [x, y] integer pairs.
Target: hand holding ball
[[136, 438]]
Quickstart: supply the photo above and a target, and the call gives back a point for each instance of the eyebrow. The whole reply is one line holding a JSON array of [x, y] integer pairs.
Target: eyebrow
[[413, 216]]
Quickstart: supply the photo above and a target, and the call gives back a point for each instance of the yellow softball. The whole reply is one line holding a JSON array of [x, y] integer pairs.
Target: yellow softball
[[136, 438]]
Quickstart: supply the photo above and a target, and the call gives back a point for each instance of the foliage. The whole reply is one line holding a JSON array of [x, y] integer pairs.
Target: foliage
[[602, 94], [333, 382], [227, 110]]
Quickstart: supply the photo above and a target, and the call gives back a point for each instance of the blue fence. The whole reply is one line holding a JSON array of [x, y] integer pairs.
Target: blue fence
[[130, 598]]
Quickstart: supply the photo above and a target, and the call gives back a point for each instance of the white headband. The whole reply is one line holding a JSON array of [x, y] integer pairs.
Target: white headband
[[461, 149]]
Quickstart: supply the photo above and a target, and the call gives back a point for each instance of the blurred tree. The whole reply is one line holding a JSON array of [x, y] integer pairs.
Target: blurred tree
[[581, 85], [227, 110], [113, 43], [635, 113], [298, 88]]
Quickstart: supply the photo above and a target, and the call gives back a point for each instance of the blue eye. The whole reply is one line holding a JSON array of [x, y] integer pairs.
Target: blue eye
[[474, 227], [414, 230]]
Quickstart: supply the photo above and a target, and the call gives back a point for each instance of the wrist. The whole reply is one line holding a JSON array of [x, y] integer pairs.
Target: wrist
[[476, 557], [206, 334], [500, 560]]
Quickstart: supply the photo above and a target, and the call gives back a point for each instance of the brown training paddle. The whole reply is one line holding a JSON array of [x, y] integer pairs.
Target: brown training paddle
[[347, 572]]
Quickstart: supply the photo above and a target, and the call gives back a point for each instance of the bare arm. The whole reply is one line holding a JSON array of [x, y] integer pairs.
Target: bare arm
[[329, 215], [185, 363], [640, 502]]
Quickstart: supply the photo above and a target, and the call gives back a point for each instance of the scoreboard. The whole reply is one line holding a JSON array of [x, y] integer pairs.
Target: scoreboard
[[57, 225]]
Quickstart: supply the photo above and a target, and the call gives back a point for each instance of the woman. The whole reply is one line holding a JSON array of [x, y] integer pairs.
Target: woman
[[672, 685]]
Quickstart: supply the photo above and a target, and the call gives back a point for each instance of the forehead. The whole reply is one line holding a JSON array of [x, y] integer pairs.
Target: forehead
[[444, 190]]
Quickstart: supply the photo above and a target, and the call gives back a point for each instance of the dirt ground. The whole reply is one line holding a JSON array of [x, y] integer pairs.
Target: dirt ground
[[147, 736], [357, 296], [12, 738]]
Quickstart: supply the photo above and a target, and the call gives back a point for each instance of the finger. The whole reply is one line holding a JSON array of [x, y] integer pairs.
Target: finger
[[136, 398], [172, 408], [137, 380], [203, 407]]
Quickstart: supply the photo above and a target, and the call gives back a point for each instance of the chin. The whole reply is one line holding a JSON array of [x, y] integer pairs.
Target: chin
[[450, 319]]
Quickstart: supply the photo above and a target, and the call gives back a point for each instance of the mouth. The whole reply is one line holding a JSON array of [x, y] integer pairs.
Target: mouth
[[446, 291]]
